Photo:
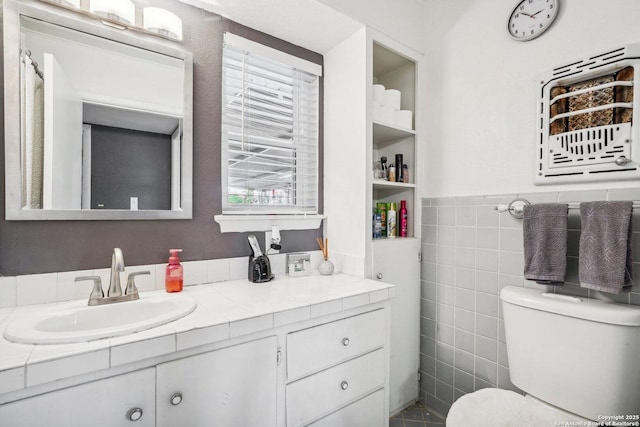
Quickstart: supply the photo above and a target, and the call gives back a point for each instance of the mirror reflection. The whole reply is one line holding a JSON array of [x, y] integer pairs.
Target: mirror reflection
[[104, 126], [99, 121]]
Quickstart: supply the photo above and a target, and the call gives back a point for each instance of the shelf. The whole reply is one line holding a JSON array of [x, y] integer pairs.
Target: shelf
[[383, 133], [390, 184]]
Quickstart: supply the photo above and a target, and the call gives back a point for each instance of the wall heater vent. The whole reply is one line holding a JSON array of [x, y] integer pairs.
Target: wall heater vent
[[586, 119]]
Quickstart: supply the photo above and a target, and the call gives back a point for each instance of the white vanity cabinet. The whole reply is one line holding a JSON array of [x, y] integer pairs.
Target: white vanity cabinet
[[234, 386], [123, 400], [332, 367]]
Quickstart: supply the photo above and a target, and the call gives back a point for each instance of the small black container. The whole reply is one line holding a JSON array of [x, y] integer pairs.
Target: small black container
[[399, 163]]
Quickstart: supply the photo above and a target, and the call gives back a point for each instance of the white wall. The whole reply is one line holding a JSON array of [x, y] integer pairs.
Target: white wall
[[401, 20], [481, 89]]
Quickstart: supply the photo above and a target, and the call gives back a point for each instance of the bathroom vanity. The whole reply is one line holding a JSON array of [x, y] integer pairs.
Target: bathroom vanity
[[296, 351]]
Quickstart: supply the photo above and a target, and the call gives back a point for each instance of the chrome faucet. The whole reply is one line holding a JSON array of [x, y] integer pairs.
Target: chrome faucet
[[117, 265], [114, 293]]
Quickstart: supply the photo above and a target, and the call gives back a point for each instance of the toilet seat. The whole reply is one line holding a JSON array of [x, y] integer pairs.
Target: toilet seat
[[492, 407]]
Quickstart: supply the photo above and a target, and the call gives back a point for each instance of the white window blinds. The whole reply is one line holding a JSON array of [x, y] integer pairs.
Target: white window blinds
[[270, 114]]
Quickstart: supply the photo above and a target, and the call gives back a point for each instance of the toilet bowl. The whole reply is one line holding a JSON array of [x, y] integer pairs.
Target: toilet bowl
[[575, 358], [492, 407]]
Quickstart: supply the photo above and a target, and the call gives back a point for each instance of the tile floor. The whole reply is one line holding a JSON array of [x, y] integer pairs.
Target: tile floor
[[416, 416]]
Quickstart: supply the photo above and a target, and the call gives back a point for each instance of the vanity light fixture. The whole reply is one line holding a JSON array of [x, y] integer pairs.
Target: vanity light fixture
[[68, 3], [120, 11], [162, 22]]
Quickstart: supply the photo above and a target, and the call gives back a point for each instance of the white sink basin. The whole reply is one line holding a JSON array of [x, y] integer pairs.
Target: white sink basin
[[75, 322]]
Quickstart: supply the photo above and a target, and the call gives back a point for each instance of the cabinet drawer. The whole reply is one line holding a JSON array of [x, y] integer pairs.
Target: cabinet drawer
[[317, 348], [327, 391], [368, 411]]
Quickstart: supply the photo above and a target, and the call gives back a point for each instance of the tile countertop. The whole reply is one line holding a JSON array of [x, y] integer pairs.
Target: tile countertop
[[225, 310]]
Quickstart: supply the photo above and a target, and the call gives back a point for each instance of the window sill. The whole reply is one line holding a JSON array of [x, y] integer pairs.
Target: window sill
[[244, 223]]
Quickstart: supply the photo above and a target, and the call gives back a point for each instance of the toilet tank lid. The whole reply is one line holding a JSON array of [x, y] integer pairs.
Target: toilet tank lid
[[566, 305]]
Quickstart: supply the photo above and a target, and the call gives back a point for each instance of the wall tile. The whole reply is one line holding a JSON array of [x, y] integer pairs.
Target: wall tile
[[446, 295], [446, 274], [487, 304], [444, 392], [428, 328], [430, 216], [466, 237], [465, 257], [464, 341], [486, 370], [487, 348], [487, 260], [466, 216], [487, 237], [444, 335], [487, 326], [446, 314], [428, 309], [465, 320], [486, 281], [446, 255], [8, 292], [446, 215], [428, 271], [511, 263], [487, 216], [465, 299], [464, 360], [446, 235], [533, 198], [428, 290], [429, 254], [624, 194], [444, 372], [511, 239], [463, 381], [465, 278], [37, 289], [582, 196], [429, 234]]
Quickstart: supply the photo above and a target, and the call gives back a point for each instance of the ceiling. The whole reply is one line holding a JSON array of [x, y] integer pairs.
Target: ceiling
[[306, 23]]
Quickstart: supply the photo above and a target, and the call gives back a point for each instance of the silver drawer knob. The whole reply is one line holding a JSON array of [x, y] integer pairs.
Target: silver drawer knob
[[621, 161], [134, 414], [379, 276], [345, 341], [176, 399], [344, 385]]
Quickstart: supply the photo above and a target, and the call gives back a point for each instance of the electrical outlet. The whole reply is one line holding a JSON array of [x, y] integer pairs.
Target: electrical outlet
[[267, 244]]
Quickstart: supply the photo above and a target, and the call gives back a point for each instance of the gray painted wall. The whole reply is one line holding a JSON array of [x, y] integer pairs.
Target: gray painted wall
[[48, 246], [469, 253]]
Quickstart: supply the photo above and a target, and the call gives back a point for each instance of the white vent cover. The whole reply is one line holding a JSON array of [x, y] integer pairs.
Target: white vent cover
[[585, 118]]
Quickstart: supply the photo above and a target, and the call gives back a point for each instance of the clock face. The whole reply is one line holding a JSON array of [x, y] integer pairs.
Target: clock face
[[530, 18]]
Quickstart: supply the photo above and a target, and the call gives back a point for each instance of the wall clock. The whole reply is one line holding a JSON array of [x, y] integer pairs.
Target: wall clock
[[530, 18]]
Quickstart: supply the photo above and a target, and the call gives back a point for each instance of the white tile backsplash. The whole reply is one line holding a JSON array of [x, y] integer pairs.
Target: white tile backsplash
[[8, 292], [57, 287], [37, 289]]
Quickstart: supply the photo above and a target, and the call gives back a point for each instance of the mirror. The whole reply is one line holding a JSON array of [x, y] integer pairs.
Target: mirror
[[98, 121]]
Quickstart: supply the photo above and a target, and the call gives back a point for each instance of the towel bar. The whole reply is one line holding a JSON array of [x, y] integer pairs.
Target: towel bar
[[516, 207]]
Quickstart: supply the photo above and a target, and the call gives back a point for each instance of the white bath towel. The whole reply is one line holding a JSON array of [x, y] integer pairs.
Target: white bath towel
[[32, 136]]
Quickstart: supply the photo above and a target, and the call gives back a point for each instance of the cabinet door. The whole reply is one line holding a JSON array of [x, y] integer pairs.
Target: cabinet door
[[105, 403], [395, 261], [235, 386]]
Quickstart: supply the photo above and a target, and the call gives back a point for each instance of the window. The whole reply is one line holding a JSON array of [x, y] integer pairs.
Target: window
[[270, 121]]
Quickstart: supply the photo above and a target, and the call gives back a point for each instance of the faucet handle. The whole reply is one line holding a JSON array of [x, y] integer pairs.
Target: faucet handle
[[131, 282], [97, 293]]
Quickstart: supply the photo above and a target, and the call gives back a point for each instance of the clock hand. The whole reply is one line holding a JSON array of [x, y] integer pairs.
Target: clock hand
[[533, 16]]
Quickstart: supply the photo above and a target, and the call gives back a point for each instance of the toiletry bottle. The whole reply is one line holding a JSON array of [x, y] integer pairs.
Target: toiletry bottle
[[391, 220], [399, 164], [392, 173], [173, 275], [405, 173], [381, 208], [403, 218]]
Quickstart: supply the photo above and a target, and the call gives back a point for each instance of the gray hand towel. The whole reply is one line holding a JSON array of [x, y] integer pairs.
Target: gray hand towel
[[605, 246], [545, 242]]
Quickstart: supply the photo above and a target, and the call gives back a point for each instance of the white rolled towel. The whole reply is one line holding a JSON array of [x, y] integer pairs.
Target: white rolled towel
[[404, 119], [392, 99], [378, 94]]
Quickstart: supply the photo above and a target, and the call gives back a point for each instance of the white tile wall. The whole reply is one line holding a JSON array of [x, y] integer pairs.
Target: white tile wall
[[56, 287], [469, 253]]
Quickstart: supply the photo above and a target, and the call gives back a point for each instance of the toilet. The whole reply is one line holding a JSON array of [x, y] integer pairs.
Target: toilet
[[577, 359]]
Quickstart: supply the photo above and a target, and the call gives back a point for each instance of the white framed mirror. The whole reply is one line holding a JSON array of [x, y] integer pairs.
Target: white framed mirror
[[98, 120]]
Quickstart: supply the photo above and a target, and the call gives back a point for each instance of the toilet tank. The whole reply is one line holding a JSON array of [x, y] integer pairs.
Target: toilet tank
[[579, 354]]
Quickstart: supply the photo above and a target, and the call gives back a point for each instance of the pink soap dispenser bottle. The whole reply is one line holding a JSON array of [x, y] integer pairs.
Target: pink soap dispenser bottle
[[173, 281]]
